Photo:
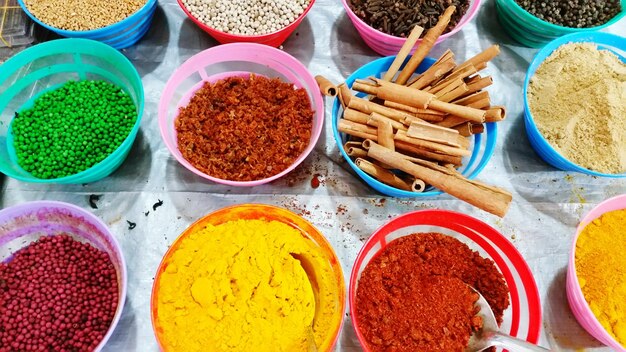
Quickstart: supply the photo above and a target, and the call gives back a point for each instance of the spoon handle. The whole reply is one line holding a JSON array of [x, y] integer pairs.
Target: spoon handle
[[513, 344]]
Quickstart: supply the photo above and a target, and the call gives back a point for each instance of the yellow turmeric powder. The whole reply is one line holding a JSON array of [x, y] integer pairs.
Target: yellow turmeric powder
[[239, 286], [601, 271]]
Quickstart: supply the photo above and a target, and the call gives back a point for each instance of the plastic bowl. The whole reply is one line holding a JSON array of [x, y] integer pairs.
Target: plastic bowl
[[119, 35], [575, 297], [228, 60], [268, 213], [533, 32], [274, 39], [523, 317], [614, 43], [386, 44], [22, 224], [482, 148], [47, 66]]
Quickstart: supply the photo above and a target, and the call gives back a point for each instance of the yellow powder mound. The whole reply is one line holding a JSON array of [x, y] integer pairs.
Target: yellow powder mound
[[578, 100], [238, 287], [601, 271]]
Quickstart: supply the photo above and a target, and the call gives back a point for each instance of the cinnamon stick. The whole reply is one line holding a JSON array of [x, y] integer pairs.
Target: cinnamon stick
[[492, 200], [432, 146], [478, 128], [466, 112], [464, 129], [483, 57], [368, 107], [483, 94], [418, 186], [427, 154], [455, 93], [428, 42], [433, 74], [451, 121], [355, 116], [434, 133], [355, 126], [382, 175], [356, 152], [403, 53], [327, 87], [385, 135], [344, 95], [378, 118], [495, 114]]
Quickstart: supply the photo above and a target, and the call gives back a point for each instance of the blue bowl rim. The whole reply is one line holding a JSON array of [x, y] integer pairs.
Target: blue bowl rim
[[531, 127], [150, 5], [387, 190]]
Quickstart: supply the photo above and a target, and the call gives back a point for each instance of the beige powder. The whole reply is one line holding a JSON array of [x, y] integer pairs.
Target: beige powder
[[578, 100]]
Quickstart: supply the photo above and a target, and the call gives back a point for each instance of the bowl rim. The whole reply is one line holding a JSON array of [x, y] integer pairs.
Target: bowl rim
[[87, 217], [532, 293], [80, 42], [532, 18], [286, 59], [261, 208], [254, 37], [597, 38], [469, 15], [91, 32], [434, 192], [616, 203]]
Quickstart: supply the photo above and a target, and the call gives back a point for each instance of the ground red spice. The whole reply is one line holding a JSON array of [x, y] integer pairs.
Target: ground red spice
[[413, 295], [245, 129], [315, 181]]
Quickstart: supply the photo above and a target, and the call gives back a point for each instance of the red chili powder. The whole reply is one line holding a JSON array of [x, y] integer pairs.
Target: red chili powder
[[245, 129], [413, 296]]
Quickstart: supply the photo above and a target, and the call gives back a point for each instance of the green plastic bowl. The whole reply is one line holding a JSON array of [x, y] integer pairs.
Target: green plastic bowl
[[531, 31], [47, 66]]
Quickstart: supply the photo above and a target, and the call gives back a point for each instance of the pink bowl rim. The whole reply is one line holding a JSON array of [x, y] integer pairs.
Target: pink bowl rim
[[259, 37], [614, 203], [534, 328], [288, 60], [21, 208], [469, 15]]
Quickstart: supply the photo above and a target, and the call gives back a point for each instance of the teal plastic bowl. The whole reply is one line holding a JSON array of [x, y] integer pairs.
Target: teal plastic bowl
[[47, 66], [615, 44], [533, 32]]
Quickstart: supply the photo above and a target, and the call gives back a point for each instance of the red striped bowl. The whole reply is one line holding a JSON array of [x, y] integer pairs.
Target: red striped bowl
[[522, 318]]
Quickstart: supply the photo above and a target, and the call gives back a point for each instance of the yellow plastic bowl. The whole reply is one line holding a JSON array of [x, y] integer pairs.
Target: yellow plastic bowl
[[268, 213]]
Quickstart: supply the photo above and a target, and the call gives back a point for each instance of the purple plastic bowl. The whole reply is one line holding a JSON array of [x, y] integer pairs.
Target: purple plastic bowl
[[24, 223], [386, 44], [575, 296]]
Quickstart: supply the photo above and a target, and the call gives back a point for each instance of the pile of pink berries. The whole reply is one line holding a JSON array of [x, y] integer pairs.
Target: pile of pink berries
[[56, 294]]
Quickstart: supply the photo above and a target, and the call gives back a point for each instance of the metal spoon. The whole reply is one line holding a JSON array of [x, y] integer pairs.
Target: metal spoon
[[490, 336]]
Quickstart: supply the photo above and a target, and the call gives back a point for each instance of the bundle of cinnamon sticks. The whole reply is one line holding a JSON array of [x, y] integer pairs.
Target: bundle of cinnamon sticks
[[420, 123]]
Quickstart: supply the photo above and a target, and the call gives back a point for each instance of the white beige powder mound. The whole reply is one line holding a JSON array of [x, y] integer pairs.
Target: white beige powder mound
[[578, 100]]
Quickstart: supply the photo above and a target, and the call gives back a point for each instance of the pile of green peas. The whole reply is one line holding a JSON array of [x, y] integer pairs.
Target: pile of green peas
[[72, 128]]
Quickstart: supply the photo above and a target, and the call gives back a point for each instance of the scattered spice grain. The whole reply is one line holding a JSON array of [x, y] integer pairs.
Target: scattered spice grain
[[398, 17], [414, 295], [93, 198], [245, 129], [157, 204]]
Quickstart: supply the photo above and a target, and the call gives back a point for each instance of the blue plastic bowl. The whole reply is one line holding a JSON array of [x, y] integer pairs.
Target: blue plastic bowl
[[119, 35], [614, 43], [482, 150]]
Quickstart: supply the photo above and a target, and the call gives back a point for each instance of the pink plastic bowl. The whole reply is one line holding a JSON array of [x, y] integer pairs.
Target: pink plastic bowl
[[274, 39], [386, 44], [575, 296], [22, 224], [228, 60], [523, 317]]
